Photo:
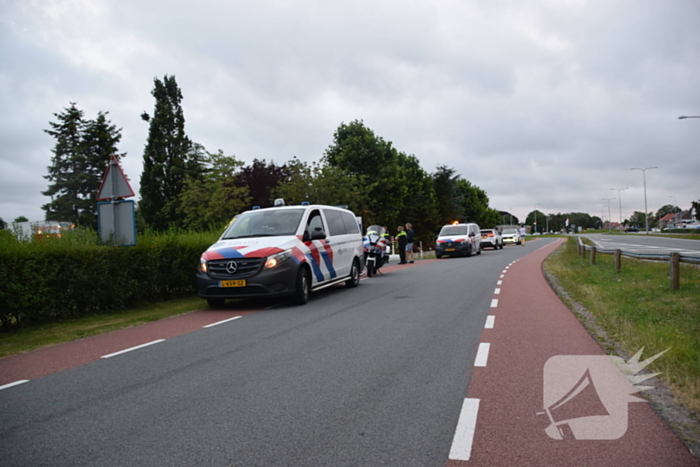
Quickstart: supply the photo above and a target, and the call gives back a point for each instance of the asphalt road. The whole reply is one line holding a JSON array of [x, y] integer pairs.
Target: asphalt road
[[369, 376], [646, 243]]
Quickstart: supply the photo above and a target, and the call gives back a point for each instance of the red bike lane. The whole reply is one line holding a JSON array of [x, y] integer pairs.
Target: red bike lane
[[530, 324]]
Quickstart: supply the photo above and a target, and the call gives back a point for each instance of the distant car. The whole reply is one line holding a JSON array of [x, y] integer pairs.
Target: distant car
[[512, 236], [632, 229], [458, 240], [491, 238]]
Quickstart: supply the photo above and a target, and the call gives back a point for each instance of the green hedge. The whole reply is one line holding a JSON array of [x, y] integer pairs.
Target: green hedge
[[55, 279]]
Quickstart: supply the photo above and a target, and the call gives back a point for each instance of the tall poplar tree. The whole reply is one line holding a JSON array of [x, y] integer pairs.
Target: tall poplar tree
[[169, 157], [80, 156]]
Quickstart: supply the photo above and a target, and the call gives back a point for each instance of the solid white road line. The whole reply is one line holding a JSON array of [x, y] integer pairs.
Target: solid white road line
[[132, 348], [494, 303], [490, 321], [21, 381], [221, 322], [497, 291], [461, 448], [482, 355]]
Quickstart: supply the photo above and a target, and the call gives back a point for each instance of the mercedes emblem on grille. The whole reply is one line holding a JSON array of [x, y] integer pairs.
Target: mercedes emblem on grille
[[231, 267]]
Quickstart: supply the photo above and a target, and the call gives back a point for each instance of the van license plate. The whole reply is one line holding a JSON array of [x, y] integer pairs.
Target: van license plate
[[449, 249], [237, 283]]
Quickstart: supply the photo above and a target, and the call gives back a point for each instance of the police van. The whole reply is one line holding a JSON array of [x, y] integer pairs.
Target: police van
[[282, 251], [458, 240]]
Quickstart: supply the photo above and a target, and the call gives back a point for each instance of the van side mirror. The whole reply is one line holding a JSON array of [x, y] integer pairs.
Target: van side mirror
[[471, 234], [318, 234], [306, 237]]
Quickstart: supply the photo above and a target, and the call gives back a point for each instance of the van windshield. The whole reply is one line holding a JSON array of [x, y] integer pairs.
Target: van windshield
[[454, 230], [264, 223]]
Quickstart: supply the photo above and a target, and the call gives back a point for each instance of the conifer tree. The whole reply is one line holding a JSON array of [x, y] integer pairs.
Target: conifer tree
[[169, 157], [80, 156]]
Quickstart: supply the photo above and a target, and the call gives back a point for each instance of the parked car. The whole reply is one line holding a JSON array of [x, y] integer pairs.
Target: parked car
[[512, 236], [632, 229], [491, 238], [458, 240], [286, 251]]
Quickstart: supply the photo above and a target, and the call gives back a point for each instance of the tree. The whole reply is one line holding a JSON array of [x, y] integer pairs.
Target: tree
[[21, 219], [667, 209], [261, 180], [169, 157], [320, 183], [214, 198], [449, 203], [81, 154], [357, 151]]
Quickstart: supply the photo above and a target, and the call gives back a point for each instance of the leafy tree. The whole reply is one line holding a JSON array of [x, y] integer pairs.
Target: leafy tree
[[638, 219], [214, 198], [475, 205], [668, 209], [448, 200], [320, 183], [21, 219], [81, 154], [507, 218], [2, 223], [261, 180], [357, 151], [169, 157], [419, 206]]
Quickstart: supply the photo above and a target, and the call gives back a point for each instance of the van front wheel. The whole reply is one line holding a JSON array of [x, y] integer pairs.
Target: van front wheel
[[303, 289], [354, 280]]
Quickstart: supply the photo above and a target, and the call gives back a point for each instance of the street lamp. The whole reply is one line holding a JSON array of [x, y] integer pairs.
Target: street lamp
[[675, 213], [644, 176], [538, 204], [684, 116], [619, 199], [608, 200]]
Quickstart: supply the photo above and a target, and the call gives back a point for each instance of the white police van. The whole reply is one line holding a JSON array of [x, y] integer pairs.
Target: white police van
[[458, 240], [282, 251]]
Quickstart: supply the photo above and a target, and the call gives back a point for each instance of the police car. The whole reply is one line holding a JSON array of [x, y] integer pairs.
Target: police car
[[282, 251], [458, 240]]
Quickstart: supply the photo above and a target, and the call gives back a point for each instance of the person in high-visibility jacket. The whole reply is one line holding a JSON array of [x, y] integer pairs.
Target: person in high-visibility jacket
[[401, 239]]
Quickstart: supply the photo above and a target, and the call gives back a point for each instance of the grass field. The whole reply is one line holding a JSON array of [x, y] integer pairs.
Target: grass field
[[637, 308]]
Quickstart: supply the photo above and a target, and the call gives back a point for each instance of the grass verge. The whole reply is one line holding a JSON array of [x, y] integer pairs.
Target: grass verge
[[42, 335], [636, 308]]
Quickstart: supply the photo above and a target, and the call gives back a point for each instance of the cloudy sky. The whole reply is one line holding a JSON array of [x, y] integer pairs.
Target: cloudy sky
[[544, 104]]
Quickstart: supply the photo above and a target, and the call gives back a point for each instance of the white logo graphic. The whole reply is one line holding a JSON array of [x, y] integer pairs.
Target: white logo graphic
[[586, 396]]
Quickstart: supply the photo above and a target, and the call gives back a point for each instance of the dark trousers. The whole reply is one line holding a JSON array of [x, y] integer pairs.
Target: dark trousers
[[402, 253]]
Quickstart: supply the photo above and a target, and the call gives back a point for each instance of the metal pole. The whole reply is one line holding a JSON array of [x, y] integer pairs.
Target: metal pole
[[609, 223], [644, 177], [619, 191]]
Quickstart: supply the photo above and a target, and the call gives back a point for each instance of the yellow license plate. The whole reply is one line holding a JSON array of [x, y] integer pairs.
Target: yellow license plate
[[449, 249], [237, 283]]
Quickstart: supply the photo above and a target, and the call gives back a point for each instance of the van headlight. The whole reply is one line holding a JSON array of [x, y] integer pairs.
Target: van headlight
[[275, 260], [202, 264]]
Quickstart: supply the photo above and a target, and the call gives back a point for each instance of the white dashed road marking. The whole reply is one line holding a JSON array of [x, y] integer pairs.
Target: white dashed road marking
[[461, 448], [482, 355], [221, 322], [494, 303], [490, 321], [133, 348], [16, 383]]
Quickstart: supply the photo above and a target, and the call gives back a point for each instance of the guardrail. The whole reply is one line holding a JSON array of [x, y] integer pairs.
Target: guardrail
[[674, 259]]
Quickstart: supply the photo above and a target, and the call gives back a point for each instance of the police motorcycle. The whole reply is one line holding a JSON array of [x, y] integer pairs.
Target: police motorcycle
[[375, 243]]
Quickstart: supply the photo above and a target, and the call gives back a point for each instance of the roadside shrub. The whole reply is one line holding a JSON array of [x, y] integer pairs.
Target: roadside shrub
[[60, 278]]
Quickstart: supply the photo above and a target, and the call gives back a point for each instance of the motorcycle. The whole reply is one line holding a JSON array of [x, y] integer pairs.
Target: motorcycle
[[374, 249]]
